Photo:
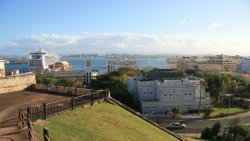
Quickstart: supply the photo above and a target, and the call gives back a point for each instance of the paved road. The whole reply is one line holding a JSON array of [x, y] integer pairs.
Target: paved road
[[195, 126], [9, 105]]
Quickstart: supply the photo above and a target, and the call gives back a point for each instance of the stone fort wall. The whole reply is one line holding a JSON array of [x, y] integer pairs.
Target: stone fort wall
[[62, 90], [17, 82]]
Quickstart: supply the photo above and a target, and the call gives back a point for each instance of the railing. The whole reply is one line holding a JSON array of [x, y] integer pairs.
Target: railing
[[26, 116], [42, 111], [26, 124]]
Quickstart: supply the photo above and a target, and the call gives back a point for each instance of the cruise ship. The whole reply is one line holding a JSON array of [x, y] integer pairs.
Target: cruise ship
[[40, 60]]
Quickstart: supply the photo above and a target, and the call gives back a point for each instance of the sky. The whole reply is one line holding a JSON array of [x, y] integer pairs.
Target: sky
[[192, 27]]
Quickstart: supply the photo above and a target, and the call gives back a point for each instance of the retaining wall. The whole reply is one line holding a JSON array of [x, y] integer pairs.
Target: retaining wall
[[62, 90], [16, 82]]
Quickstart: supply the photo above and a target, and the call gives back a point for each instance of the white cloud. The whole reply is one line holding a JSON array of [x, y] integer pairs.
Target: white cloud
[[184, 21], [128, 43], [217, 24]]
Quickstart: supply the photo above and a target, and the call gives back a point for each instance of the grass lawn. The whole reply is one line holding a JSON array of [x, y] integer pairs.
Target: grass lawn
[[195, 139], [101, 122], [217, 110], [222, 111]]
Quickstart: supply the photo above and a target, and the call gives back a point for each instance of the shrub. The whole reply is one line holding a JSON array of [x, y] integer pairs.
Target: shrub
[[208, 111], [216, 128], [207, 133]]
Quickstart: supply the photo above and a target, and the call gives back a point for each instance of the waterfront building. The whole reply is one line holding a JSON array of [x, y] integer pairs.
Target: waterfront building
[[116, 64], [245, 65], [171, 63], [168, 90], [183, 62], [60, 66], [2, 68], [222, 62], [79, 75]]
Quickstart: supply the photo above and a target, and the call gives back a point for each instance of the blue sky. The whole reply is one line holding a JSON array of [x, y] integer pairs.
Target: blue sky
[[119, 26]]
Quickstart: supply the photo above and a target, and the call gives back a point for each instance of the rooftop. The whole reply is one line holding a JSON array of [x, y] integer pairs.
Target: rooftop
[[156, 74]]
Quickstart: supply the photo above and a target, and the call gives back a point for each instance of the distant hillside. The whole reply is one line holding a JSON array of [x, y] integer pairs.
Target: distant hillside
[[101, 122]]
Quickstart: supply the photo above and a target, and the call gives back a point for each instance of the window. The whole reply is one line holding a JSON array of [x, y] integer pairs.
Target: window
[[185, 94], [165, 94], [190, 93]]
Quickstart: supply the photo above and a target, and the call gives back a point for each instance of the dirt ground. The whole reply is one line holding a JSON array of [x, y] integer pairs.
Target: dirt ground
[[11, 102]]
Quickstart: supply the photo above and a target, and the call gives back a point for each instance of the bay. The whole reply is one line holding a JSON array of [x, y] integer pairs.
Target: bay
[[99, 64]]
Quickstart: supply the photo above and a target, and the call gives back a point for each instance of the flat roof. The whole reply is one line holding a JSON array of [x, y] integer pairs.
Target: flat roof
[[2, 60]]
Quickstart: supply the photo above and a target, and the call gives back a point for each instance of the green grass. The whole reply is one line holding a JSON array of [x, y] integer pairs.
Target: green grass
[[223, 111], [195, 139], [101, 122], [217, 110]]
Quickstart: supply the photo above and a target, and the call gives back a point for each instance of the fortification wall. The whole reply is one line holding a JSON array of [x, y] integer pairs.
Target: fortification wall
[[62, 90], [17, 82]]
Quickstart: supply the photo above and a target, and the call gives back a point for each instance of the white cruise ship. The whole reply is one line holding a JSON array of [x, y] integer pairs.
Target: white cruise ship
[[41, 59]]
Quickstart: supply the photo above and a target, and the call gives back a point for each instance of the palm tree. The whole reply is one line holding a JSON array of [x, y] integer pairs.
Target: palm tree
[[203, 84], [176, 112]]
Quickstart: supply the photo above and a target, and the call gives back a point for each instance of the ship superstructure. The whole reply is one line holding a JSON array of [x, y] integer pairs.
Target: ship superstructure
[[41, 59]]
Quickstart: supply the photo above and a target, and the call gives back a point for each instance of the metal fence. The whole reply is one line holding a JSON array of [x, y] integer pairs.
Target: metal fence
[[45, 109]]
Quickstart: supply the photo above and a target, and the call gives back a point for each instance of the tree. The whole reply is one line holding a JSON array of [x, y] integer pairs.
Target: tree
[[176, 112], [216, 129], [207, 133], [207, 111], [117, 83], [235, 128]]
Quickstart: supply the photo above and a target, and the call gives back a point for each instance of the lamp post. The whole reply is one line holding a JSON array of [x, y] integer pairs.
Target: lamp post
[[200, 102]]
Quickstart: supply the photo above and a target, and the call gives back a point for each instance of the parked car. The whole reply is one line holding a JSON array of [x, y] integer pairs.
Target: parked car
[[176, 125]]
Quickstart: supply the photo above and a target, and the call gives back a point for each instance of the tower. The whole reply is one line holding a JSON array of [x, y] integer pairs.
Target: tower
[[88, 71]]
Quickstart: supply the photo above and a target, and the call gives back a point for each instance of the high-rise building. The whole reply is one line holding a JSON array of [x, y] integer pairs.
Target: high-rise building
[[245, 65], [115, 65], [88, 71]]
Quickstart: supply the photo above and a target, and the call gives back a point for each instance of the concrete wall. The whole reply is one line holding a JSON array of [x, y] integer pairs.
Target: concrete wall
[[17, 82], [2, 69], [62, 90]]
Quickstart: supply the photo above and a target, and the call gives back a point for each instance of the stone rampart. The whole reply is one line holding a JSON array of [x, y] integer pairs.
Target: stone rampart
[[16, 82], [62, 90]]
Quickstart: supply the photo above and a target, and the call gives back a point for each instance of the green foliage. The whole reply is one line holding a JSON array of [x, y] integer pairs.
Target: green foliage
[[49, 80], [216, 129], [236, 128], [45, 79], [207, 111], [219, 84], [116, 82], [101, 122], [207, 133], [176, 113]]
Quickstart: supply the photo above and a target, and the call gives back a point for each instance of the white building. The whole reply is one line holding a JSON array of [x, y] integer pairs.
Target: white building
[[115, 65], [79, 74], [2, 68], [160, 96], [245, 65], [171, 63]]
